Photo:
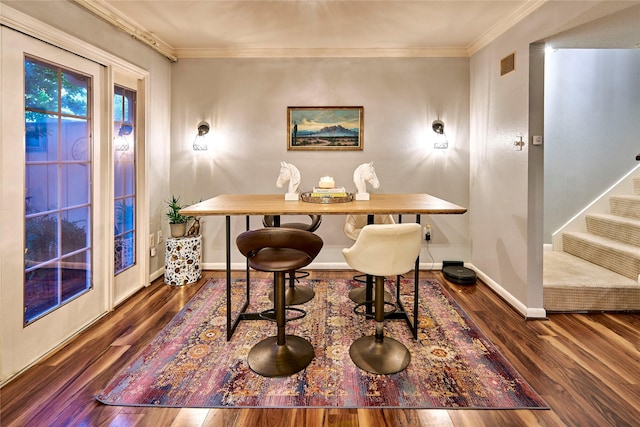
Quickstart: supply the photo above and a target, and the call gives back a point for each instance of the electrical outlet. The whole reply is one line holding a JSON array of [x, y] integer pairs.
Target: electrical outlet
[[159, 239], [152, 242], [427, 233]]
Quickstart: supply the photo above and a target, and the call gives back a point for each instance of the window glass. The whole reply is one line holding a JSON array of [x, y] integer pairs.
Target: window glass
[[41, 133], [40, 86], [124, 178], [41, 188], [57, 249]]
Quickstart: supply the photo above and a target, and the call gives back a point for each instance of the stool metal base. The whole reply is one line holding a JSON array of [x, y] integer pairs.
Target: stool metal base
[[358, 295], [386, 357], [297, 295], [269, 359]]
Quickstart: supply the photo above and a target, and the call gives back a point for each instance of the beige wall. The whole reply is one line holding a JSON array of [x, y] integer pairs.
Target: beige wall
[[246, 100]]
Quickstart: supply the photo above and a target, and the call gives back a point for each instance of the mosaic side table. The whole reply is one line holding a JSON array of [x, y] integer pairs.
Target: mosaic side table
[[182, 259]]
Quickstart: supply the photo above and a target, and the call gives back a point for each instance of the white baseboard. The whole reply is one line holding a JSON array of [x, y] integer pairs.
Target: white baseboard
[[158, 273], [527, 312]]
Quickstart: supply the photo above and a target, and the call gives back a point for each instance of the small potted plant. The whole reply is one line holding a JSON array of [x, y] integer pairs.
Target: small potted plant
[[177, 221]]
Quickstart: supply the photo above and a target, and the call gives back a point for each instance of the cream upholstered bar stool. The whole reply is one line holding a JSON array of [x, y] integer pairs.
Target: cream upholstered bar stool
[[281, 251], [383, 250], [353, 225], [295, 294]]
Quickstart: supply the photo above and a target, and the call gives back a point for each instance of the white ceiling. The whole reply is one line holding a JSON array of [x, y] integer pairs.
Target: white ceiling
[[354, 28]]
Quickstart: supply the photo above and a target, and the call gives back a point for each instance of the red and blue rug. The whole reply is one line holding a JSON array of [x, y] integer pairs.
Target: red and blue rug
[[190, 363]]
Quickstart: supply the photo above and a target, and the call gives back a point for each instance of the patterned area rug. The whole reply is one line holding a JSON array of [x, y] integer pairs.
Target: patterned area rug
[[190, 363]]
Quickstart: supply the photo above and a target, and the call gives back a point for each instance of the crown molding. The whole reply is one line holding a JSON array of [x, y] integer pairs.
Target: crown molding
[[322, 53], [104, 11], [509, 21], [19, 21]]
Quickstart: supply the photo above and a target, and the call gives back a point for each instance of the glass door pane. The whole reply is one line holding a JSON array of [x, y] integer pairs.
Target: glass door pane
[[124, 158], [57, 252]]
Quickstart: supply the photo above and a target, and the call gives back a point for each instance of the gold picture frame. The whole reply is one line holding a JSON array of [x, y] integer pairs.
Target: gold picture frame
[[325, 128]]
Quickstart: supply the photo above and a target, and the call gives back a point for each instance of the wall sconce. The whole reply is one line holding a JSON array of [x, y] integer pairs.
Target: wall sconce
[[121, 142], [441, 138], [199, 143]]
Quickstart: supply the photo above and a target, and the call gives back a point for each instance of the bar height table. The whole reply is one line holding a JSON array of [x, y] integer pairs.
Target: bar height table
[[229, 205]]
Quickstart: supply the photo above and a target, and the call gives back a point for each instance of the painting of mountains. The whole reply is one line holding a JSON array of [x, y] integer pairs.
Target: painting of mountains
[[325, 128]]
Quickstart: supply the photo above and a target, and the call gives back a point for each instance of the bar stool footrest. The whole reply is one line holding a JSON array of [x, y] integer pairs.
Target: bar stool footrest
[[271, 316], [357, 310], [297, 275]]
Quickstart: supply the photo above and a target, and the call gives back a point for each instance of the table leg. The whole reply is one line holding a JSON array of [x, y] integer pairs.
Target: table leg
[[242, 315], [247, 275], [230, 329]]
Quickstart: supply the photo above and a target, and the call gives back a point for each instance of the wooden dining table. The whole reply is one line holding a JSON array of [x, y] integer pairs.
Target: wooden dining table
[[247, 205]]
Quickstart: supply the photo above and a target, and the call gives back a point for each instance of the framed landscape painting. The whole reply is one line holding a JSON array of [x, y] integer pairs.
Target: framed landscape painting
[[325, 128]]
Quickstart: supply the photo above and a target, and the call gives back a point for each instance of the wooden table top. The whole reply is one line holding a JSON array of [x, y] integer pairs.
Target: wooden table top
[[274, 204]]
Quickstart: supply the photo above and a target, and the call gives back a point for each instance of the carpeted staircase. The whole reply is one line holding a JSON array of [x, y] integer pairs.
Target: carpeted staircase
[[600, 268]]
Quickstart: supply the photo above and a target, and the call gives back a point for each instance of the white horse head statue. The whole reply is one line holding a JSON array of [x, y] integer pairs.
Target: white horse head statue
[[289, 172], [363, 174]]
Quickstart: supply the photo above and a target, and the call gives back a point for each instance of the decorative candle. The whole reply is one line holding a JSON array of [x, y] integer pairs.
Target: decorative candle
[[326, 182]]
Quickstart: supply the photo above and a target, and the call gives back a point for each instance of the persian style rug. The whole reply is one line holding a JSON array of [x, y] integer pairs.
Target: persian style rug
[[190, 363]]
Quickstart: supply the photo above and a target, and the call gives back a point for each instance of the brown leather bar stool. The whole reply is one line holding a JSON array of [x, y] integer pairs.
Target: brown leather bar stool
[[296, 294], [383, 250], [281, 251]]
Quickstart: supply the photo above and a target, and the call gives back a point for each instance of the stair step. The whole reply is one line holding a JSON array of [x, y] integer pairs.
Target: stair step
[[618, 257], [628, 206], [614, 227], [572, 284], [636, 185]]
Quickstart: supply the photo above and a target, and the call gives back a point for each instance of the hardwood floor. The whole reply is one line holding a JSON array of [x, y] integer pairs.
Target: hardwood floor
[[586, 366]]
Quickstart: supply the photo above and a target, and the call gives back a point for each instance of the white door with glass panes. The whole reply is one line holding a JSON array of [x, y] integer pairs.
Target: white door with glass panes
[[54, 212], [128, 245]]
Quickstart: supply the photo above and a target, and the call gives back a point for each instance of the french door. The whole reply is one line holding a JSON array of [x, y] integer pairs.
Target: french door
[[128, 244], [53, 209]]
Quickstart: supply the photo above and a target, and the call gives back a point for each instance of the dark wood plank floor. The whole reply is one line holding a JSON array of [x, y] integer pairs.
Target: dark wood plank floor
[[586, 366]]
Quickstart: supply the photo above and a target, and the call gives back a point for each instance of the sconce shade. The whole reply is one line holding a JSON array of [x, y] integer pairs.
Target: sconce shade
[[203, 128], [438, 126], [199, 143]]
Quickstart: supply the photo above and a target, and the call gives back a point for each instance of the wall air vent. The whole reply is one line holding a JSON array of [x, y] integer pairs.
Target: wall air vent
[[508, 64]]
